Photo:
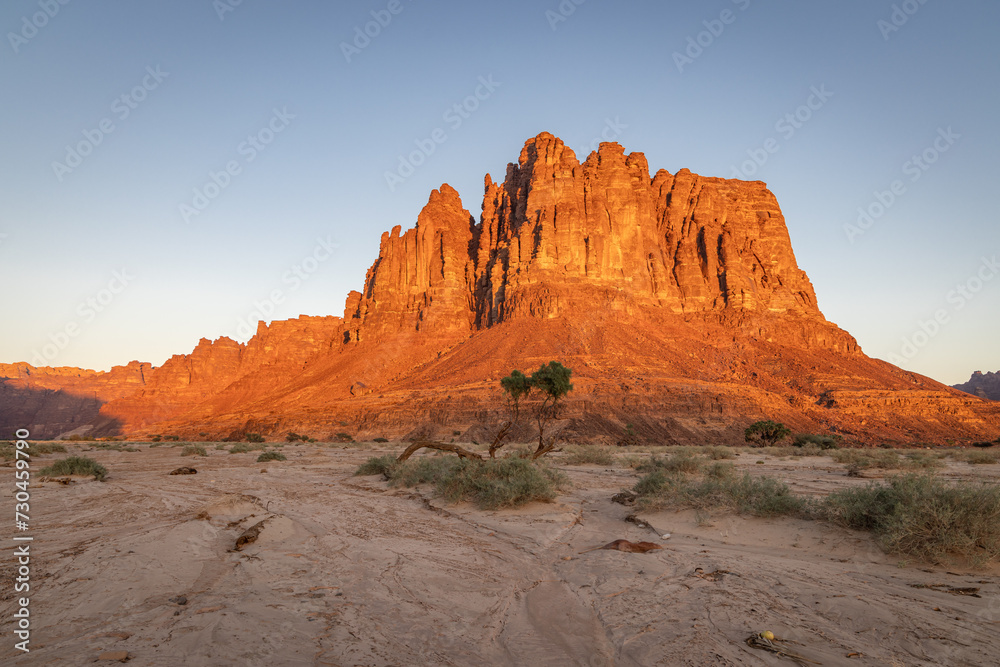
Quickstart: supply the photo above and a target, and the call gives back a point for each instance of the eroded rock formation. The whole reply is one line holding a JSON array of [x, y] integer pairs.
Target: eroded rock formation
[[675, 298]]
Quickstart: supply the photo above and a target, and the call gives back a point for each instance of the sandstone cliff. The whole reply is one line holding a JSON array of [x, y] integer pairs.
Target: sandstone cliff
[[675, 298]]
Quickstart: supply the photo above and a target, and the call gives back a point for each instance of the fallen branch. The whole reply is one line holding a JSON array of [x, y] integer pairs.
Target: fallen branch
[[442, 446]]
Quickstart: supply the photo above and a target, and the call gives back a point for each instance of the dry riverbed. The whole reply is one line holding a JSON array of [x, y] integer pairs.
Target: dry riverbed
[[347, 571]]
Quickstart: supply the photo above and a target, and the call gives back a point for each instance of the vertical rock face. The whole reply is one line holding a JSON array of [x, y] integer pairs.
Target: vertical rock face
[[558, 236], [421, 279]]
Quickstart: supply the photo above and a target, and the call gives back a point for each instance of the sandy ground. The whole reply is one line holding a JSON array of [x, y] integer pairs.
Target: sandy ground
[[349, 572]]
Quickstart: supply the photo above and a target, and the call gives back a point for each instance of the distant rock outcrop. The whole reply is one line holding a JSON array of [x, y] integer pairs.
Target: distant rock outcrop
[[984, 385], [675, 298]]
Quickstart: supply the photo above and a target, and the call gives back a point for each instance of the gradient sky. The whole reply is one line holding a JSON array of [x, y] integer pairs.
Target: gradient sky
[[110, 229]]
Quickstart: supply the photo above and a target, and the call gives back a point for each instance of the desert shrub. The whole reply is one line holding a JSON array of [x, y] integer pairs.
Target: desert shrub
[[175, 438], [720, 453], [295, 437], [681, 462], [193, 450], [807, 450], [380, 439], [819, 440], [220, 446], [156, 438], [254, 437], [34, 449], [498, 483], [243, 447], [864, 459], [923, 517], [76, 465], [980, 457], [489, 484], [520, 452], [720, 488], [588, 454], [114, 447], [921, 460], [271, 456], [155, 444], [377, 465]]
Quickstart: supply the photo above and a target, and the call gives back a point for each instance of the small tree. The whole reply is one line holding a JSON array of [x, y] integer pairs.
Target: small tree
[[766, 432], [515, 386], [552, 382]]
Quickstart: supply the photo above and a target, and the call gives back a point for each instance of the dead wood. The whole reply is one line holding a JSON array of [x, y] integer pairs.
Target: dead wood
[[442, 446]]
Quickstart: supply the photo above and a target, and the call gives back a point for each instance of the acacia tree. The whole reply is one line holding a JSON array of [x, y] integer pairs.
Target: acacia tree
[[766, 432], [515, 386], [551, 383]]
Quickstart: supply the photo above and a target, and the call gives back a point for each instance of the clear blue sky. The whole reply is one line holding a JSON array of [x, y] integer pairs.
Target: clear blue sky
[[326, 130]]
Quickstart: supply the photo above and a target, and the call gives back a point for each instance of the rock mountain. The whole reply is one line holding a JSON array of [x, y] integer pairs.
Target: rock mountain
[[985, 385], [675, 298]]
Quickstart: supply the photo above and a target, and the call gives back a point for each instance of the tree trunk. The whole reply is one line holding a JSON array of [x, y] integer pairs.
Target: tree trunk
[[442, 446]]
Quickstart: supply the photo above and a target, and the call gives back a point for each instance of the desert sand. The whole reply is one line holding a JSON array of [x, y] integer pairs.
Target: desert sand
[[347, 571]]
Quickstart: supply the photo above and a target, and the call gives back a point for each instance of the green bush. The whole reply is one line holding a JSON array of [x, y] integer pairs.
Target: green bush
[[719, 488], [271, 456], [923, 517], [681, 461], [766, 433], [720, 453], [41, 448], [377, 465], [819, 440], [807, 450], [242, 447], [980, 457], [490, 484], [76, 465], [864, 459], [193, 450], [254, 437], [380, 439], [588, 454]]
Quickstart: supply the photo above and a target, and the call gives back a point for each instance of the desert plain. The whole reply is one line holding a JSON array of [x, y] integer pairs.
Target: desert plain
[[347, 570]]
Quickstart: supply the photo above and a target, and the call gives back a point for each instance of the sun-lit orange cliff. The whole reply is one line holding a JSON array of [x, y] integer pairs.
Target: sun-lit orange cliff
[[675, 298]]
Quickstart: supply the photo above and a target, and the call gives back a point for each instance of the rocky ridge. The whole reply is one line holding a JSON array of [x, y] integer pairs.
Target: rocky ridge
[[675, 298]]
